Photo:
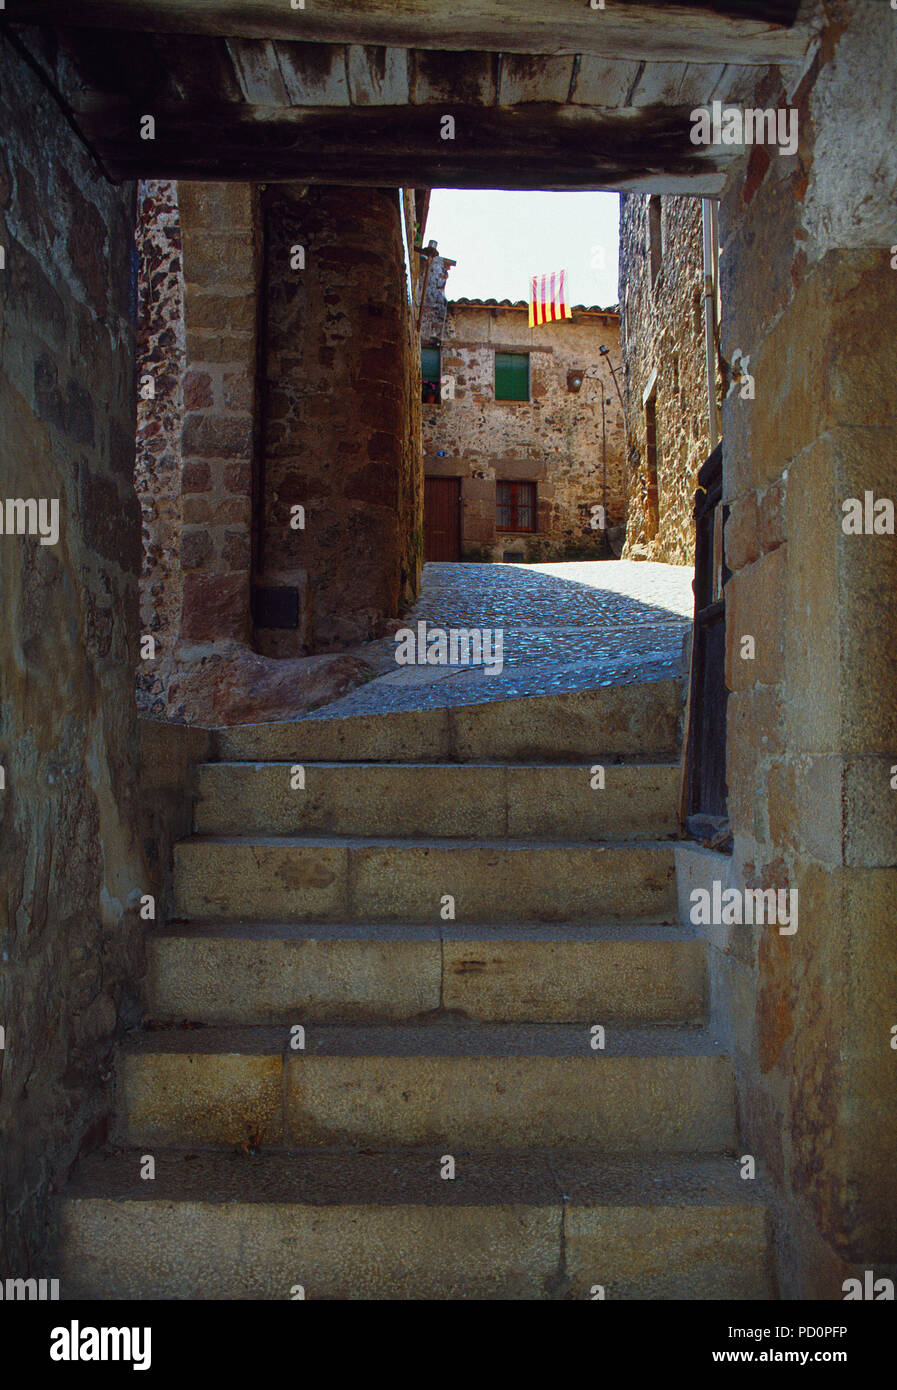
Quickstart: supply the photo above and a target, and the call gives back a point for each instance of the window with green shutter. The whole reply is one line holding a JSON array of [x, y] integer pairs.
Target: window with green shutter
[[512, 376], [430, 373]]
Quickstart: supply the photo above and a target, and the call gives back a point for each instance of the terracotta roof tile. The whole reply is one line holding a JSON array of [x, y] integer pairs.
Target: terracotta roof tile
[[522, 304]]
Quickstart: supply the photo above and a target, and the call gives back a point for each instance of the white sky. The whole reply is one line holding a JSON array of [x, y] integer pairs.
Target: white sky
[[501, 239]]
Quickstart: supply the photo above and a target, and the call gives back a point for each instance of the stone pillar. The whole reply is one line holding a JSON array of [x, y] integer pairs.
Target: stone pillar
[[220, 247], [341, 421], [810, 294], [161, 366]]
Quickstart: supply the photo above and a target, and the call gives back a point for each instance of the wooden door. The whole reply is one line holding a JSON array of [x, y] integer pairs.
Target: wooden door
[[442, 518], [705, 792]]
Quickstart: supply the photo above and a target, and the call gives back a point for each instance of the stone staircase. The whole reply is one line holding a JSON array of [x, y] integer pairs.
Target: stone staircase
[[322, 1037]]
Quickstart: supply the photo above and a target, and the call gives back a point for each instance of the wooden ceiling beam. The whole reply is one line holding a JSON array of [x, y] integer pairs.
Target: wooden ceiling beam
[[532, 146], [759, 32]]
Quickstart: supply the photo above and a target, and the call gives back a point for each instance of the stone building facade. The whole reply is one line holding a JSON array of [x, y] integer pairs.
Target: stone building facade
[[278, 458], [525, 476], [663, 346]]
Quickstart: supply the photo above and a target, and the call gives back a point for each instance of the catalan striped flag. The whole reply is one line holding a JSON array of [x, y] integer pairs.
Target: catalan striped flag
[[548, 298]]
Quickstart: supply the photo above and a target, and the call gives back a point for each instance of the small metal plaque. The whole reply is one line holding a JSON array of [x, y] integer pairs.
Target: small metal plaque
[[275, 607]]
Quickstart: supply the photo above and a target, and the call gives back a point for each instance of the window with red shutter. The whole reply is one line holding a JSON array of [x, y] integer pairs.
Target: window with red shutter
[[515, 506]]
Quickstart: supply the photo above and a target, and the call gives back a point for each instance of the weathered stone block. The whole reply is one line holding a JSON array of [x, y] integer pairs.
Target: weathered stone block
[[237, 478], [218, 436], [640, 1252], [497, 1099], [867, 569], [215, 511], [867, 1229], [111, 520], [754, 609], [812, 640], [200, 1098], [197, 390], [781, 799], [742, 533], [196, 549], [755, 720], [286, 882], [870, 825], [244, 975], [226, 313], [238, 391], [216, 205], [809, 383], [771, 527], [236, 551], [219, 259], [229, 348], [530, 77], [563, 974], [196, 476], [215, 607], [812, 819], [85, 242]]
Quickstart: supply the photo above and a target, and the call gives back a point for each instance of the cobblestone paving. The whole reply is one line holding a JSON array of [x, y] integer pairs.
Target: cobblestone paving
[[567, 626]]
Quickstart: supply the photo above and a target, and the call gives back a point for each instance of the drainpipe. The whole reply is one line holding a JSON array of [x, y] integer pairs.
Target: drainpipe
[[711, 240], [603, 457]]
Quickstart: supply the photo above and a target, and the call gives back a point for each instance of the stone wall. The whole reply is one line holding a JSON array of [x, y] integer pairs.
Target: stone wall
[[198, 268], [283, 352], [554, 439], [662, 326], [341, 417], [810, 293], [80, 838], [158, 468], [222, 254]]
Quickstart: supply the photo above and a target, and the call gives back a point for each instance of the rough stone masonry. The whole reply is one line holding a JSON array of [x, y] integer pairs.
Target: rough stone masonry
[[564, 442]]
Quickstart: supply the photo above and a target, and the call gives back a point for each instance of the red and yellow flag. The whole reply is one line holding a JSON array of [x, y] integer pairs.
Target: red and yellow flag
[[548, 298]]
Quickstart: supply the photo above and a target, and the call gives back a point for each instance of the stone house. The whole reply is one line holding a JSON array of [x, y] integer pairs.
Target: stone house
[[522, 429], [663, 344]]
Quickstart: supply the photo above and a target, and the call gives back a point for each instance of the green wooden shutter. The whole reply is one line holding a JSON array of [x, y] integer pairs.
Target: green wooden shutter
[[512, 376], [429, 364]]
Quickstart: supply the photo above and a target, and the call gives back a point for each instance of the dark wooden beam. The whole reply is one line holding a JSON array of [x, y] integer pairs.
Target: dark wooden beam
[[153, 68], [737, 31], [532, 146]]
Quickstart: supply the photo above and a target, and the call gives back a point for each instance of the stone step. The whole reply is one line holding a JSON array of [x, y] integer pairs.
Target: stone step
[[387, 1226], [472, 800], [458, 1084], [260, 974], [305, 879], [620, 720]]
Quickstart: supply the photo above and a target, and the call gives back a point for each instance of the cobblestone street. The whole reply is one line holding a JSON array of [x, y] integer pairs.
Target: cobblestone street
[[565, 626]]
